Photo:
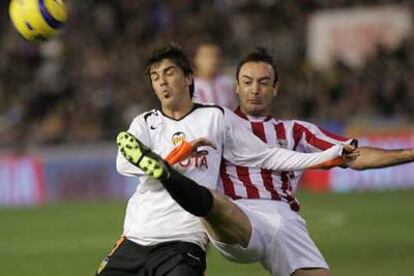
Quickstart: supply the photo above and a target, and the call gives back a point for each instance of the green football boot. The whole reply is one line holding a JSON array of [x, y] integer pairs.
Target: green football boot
[[141, 156]]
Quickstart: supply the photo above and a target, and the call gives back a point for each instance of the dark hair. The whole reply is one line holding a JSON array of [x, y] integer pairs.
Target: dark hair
[[259, 54], [177, 55]]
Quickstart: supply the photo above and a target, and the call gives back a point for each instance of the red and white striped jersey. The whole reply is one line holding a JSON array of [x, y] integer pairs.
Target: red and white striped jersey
[[254, 183], [219, 91]]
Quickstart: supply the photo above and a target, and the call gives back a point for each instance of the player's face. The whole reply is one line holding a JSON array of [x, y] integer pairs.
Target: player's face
[[170, 84], [255, 88]]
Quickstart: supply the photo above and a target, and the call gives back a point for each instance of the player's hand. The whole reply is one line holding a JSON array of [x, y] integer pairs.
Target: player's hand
[[350, 152], [188, 149], [201, 142]]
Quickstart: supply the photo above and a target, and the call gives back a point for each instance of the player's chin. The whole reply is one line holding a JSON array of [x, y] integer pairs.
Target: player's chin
[[168, 101], [164, 97], [254, 104], [255, 109]]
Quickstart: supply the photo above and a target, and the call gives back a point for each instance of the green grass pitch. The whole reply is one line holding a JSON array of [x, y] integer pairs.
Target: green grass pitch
[[359, 234]]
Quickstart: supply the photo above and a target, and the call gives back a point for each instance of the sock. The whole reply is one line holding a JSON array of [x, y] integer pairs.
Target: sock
[[194, 198]]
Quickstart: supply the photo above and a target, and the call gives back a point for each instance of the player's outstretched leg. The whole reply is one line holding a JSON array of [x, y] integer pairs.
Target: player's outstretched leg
[[194, 198], [141, 156]]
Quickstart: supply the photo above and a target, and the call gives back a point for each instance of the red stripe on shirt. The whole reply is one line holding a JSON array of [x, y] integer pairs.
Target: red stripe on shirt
[[281, 135], [280, 131], [258, 130], [268, 183], [244, 176], [287, 189], [240, 113], [299, 130], [286, 184], [227, 183]]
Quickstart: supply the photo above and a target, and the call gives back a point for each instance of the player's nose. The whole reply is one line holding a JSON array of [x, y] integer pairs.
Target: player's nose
[[163, 80], [255, 89]]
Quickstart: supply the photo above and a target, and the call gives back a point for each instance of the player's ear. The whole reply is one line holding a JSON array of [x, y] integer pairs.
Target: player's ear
[[189, 80], [275, 89], [236, 85]]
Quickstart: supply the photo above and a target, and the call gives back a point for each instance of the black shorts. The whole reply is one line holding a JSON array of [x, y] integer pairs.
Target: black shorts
[[169, 258]]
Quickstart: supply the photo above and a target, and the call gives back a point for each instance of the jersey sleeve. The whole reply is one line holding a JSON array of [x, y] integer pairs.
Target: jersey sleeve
[[310, 138], [243, 148], [138, 128]]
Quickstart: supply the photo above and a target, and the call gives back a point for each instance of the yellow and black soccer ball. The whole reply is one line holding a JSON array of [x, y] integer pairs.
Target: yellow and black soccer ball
[[38, 20]]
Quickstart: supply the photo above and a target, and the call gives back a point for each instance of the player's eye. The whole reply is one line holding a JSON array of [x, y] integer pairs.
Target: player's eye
[[154, 77], [170, 72]]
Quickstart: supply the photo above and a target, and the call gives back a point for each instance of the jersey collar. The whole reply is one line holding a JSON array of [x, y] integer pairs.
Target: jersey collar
[[252, 118], [195, 106]]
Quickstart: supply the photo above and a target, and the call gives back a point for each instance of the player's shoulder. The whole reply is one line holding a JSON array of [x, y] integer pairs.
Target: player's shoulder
[[297, 123], [150, 114], [209, 107], [144, 116], [147, 117], [294, 126], [305, 124]]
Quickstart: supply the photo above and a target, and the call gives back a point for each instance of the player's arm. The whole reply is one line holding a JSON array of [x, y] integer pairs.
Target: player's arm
[[243, 148], [138, 129], [310, 138], [371, 158]]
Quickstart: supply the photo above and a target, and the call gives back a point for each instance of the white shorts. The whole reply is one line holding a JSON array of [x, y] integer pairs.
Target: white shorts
[[279, 240]]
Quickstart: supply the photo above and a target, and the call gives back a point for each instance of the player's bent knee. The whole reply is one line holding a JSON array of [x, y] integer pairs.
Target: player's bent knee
[[227, 223], [226, 210]]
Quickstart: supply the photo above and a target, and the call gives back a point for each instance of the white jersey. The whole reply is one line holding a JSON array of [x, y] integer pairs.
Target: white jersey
[[255, 183], [219, 90], [152, 216]]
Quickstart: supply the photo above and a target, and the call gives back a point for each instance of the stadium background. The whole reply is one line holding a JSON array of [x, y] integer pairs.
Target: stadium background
[[62, 103]]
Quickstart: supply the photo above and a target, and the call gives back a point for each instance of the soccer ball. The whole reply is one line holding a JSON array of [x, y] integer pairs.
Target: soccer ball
[[38, 20]]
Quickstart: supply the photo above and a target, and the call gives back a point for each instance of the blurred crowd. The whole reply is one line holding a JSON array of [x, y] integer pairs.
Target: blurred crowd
[[88, 84]]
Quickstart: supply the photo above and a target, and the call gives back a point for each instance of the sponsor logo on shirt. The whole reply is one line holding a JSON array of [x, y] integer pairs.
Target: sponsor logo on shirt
[[196, 161], [178, 138]]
